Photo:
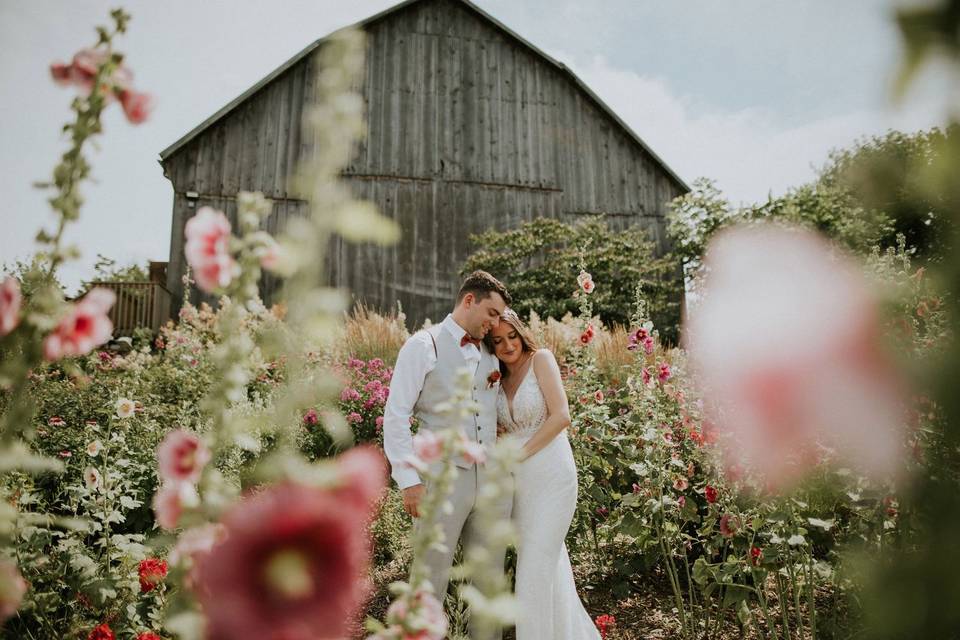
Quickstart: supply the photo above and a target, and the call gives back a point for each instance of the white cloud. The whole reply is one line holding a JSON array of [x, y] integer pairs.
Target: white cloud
[[749, 152]]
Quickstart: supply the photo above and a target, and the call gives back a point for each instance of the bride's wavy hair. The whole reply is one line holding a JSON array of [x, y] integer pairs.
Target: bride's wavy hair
[[528, 342]]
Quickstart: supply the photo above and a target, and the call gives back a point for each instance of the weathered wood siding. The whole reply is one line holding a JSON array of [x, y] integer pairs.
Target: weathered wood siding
[[468, 129]]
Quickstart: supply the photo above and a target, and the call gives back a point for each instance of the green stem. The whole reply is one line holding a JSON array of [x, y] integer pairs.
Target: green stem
[[783, 607]]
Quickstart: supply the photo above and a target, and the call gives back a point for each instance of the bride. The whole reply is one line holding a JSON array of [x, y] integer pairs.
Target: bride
[[532, 406]]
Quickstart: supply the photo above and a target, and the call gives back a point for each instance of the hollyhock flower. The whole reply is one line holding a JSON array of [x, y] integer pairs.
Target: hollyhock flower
[[148, 635], [102, 632], [729, 525], [636, 488], [92, 478], [181, 457], [125, 407], [681, 501], [170, 501], [474, 452], [137, 106], [711, 494], [419, 616], [85, 326], [311, 418], [585, 338], [56, 421], [588, 286], [645, 374], [196, 541], [94, 448], [756, 554], [151, 571], [604, 624], [294, 560], [349, 395], [583, 277], [777, 386], [65, 454], [354, 418], [12, 589], [664, 373], [428, 446], [598, 396], [647, 345], [207, 249], [681, 484], [10, 302]]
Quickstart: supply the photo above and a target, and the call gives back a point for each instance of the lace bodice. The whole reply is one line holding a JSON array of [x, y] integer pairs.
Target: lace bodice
[[529, 407]]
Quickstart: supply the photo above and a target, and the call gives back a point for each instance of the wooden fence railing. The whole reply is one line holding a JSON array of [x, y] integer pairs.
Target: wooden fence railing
[[138, 305]]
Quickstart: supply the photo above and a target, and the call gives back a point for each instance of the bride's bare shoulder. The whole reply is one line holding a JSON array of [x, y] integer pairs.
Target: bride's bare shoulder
[[544, 359]]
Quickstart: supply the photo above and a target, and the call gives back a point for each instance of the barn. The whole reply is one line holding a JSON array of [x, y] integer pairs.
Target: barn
[[470, 127]]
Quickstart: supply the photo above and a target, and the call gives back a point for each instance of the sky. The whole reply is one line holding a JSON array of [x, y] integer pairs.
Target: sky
[[751, 93]]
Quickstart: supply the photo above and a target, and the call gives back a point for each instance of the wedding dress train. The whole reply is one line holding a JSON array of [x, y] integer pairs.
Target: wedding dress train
[[545, 499]]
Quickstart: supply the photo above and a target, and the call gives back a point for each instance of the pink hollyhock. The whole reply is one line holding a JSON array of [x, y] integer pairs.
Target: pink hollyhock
[[181, 457], [169, 502], [10, 302], [664, 373], [85, 326], [419, 616], [102, 632], [428, 446], [208, 249], [645, 373], [711, 494], [588, 286], [473, 452], [151, 571], [311, 418], [598, 396], [294, 561], [787, 341], [137, 106], [12, 589], [648, 345], [729, 525], [681, 484]]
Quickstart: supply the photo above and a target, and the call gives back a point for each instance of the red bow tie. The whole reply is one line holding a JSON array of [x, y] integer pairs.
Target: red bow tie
[[466, 339]]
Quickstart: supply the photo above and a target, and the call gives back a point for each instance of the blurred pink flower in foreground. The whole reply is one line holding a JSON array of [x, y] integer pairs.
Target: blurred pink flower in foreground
[[10, 301], [85, 326], [415, 616], [181, 457], [82, 73], [294, 560], [208, 249], [786, 338], [137, 106], [12, 589]]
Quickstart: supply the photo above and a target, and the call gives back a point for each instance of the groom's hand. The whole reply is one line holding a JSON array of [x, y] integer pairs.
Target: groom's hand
[[411, 499]]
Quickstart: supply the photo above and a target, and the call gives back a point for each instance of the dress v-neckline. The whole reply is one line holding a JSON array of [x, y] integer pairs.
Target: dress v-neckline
[[516, 391]]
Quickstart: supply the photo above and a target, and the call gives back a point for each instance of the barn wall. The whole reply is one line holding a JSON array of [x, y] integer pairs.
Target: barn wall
[[468, 130]]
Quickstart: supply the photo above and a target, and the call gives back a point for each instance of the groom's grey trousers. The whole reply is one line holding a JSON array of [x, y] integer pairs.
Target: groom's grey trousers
[[466, 525]]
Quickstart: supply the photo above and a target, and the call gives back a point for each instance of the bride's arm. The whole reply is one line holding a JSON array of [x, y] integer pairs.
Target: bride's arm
[[558, 412]]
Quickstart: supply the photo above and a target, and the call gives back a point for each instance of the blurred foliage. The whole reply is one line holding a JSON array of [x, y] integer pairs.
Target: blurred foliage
[[536, 259]]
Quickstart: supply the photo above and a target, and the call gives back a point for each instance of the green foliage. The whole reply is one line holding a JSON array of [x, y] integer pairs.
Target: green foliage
[[539, 260], [107, 270]]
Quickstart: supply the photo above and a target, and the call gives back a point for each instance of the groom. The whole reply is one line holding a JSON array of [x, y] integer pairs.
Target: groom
[[425, 377]]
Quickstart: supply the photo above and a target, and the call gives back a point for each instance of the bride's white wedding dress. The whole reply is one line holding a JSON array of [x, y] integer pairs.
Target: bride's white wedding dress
[[545, 498]]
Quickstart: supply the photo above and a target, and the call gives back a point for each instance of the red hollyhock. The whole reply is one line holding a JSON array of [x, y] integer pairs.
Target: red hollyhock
[[148, 635], [294, 558], [711, 494], [102, 632], [756, 553], [728, 525], [152, 571], [605, 623]]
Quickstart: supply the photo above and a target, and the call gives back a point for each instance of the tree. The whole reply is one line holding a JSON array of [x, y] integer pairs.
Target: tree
[[540, 260]]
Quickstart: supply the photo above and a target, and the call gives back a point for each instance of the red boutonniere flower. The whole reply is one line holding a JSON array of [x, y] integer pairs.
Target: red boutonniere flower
[[493, 378]]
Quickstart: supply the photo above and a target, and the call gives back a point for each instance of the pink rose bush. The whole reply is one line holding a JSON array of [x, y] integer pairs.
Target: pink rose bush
[[364, 395]]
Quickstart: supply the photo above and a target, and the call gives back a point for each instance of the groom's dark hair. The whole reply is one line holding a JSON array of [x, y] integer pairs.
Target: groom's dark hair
[[481, 284]]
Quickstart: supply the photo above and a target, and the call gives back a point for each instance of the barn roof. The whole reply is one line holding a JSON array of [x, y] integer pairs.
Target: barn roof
[[196, 131]]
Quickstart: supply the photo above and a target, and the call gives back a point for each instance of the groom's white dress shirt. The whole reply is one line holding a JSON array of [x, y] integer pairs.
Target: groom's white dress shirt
[[416, 359]]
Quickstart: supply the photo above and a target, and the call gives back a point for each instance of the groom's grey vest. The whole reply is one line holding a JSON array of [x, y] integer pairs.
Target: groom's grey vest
[[439, 386]]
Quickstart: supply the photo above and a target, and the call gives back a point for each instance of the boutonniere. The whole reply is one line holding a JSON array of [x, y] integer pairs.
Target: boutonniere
[[493, 378]]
